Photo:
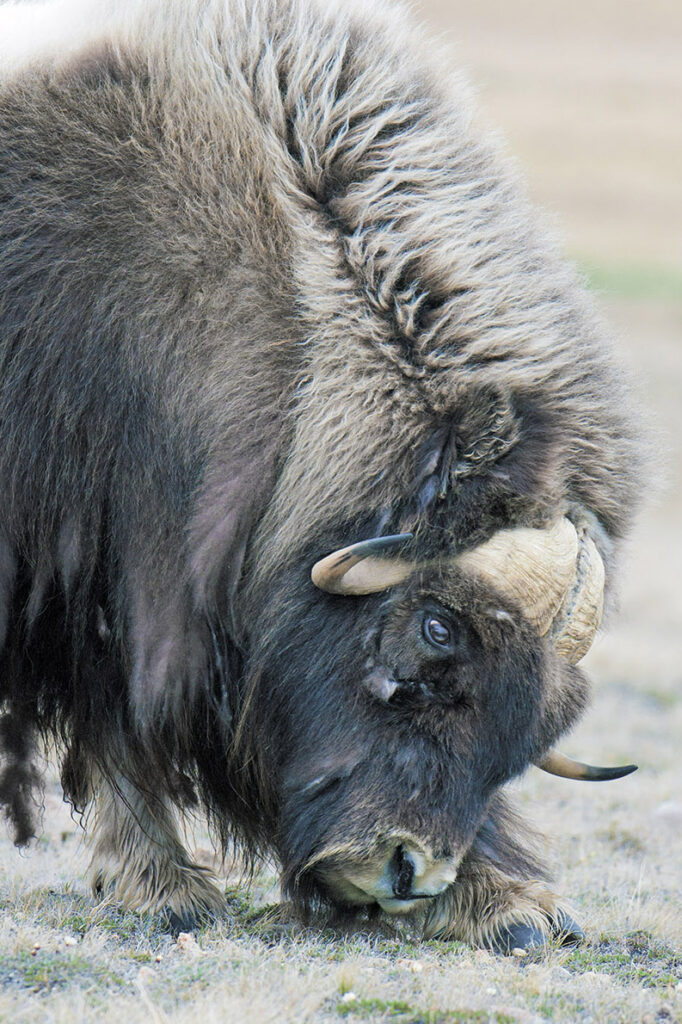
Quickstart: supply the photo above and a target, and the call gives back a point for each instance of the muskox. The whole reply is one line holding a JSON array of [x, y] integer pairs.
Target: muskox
[[314, 460]]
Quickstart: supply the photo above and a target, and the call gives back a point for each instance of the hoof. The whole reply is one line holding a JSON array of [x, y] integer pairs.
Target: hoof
[[566, 931], [563, 929], [516, 936], [184, 922]]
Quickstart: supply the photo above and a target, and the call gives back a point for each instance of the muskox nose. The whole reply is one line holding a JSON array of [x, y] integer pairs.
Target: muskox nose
[[401, 873], [402, 869]]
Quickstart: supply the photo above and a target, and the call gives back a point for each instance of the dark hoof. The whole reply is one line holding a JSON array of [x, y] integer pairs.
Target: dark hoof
[[517, 936], [567, 931], [564, 930], [177, 923]]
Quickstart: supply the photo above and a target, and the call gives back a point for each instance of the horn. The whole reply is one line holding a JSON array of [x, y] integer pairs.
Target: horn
[[578, 620], [555, 576], [535, 568], [567, 768], [359, 569]]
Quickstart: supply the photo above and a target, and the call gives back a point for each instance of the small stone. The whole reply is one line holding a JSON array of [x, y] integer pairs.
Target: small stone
[[518, 952], [411, 965], [70, 941], [187, 943], [349, 997], [491, 991]]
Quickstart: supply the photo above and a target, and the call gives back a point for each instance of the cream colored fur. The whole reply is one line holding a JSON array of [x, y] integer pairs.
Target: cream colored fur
[[138, 858], [484, 902]]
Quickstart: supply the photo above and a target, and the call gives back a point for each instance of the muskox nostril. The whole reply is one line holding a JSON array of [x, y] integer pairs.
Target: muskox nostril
[[402, 870]]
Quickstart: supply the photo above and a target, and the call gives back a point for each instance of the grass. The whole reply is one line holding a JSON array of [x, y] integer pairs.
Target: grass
[[402, 1013], [64, 959], [636, 958], [40, 971]]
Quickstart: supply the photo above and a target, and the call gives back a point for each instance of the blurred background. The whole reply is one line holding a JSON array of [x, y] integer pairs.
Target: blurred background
[[588, 97]]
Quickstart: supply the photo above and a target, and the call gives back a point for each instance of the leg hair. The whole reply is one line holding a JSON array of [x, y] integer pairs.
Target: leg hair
[[500, 882], [20, 781], [138, 857]]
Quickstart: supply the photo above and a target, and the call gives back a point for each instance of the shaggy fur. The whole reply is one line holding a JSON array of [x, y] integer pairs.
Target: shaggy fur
[[266, 290]]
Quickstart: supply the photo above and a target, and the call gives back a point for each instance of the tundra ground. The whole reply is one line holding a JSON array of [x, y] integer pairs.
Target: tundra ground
[[589, 99]]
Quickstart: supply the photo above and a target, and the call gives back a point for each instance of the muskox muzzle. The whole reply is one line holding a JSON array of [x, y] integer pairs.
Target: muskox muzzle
[[398, 874]]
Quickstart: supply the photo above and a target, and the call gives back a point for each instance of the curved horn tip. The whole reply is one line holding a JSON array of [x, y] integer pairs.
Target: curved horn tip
[[337, 573], [597, 774], [376, 545], [566, 768]]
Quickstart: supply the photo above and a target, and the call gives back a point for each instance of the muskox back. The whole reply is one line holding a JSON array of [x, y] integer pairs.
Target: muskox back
[[263, 288]]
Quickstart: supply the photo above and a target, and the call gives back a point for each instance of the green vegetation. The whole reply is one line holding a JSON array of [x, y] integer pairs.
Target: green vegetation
[[43, 971], [400, 1012], [263, 957], [636, 957]]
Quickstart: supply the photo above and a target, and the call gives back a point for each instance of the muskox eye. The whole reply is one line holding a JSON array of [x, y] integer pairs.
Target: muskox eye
[[436, 632]]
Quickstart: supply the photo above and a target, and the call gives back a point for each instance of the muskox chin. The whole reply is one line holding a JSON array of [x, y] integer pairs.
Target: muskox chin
[[267, 290]]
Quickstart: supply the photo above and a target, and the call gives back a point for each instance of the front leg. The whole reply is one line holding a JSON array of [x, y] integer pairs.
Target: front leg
[[139, 859], [501, 899]]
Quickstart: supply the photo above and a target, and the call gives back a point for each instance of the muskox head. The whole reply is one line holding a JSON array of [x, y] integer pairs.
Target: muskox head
[[402, 695]]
